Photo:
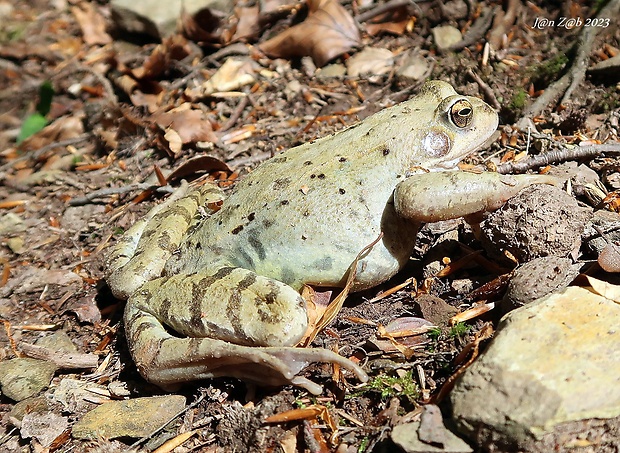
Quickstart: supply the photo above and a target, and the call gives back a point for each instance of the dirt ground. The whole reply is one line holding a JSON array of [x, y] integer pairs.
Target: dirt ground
[[131, 116]]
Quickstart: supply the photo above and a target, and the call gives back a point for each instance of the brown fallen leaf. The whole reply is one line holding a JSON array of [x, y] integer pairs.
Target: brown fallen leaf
[[198, 164], [328, 31], [248, 26], [203, 27], [92, 24], [394, 21], [175, 47], [189, 125]]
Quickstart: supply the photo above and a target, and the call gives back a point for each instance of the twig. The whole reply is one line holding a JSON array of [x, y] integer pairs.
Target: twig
[[62, 360], [35, 154], [386, 7], [105, 83], [477, 31], [569, 81], [488, 92], [562, 155], [101, 193], [235, 114]]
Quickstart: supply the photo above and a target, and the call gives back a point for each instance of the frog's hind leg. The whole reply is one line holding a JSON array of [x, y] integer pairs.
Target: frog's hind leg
[[239, 324], [141, 253]]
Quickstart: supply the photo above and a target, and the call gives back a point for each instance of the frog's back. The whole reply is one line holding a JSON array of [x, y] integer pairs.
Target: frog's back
[[304, 215]]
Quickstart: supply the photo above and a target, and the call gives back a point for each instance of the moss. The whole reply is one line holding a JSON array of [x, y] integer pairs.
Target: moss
[[393, 386]]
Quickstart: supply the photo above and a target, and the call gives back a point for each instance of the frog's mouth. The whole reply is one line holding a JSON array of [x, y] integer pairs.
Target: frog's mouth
[[448, 165]]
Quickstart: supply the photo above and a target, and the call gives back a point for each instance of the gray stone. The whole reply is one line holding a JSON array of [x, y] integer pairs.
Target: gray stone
[[138, 417], [406, 437], [23, 378], [413, 68], [550, 376], [446, 35], [331, 70], [58, 341], [45, 427]]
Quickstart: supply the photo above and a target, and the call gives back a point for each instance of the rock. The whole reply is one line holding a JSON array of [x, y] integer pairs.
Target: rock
[[446, 35], [370, 61], [34, 405], [78, 218], [536, 279], [428, 435], [23, 378], [436, 310], [16, 245], [549, 379], [45, 427], [413, 68], [131, 418], [11, 223], [331, 70], [541, 220], [58, 341]]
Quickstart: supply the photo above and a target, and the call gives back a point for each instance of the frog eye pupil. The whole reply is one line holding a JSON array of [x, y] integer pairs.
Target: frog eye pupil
[[462, 113]]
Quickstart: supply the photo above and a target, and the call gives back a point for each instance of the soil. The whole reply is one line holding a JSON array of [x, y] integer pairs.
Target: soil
[[69, 190]]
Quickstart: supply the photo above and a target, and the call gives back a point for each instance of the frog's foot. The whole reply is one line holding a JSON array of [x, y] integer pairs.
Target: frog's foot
[[164, 360], [431, 197], [141, 253]]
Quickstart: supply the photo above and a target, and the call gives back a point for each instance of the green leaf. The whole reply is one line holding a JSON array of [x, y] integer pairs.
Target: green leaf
[[33, 124]]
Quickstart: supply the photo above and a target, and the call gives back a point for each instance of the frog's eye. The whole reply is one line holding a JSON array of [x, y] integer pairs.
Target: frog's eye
[[462, 113]]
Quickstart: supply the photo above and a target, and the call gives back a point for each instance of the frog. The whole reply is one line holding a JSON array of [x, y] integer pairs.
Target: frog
[[216, 292]]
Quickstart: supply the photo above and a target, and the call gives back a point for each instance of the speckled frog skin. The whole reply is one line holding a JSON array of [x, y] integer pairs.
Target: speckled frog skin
[[227, 284]]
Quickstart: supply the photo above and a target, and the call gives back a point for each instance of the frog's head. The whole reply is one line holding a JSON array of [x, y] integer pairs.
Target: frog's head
[[457, 127]]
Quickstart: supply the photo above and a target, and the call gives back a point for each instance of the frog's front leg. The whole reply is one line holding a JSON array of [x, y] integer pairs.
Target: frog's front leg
[[235, 322], [431, 197]]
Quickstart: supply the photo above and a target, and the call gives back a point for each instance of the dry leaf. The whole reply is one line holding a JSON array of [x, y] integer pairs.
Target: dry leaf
[[198, 164], [394, 21], [174, 141], [605, 289], [328, 31], [202, 27], [174, 47], [334, 307], [92, 24], [405, 326], [248, 27], [190, 124], [63, 128], [232, 75]]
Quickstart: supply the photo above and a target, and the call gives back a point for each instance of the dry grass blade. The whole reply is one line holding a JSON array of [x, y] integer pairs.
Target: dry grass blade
[[334, 308], [328, 31], [175, 442]]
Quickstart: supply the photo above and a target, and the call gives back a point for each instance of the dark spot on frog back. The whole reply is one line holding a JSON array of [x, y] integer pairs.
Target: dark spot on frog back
[[325, 263], [254, 240]]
